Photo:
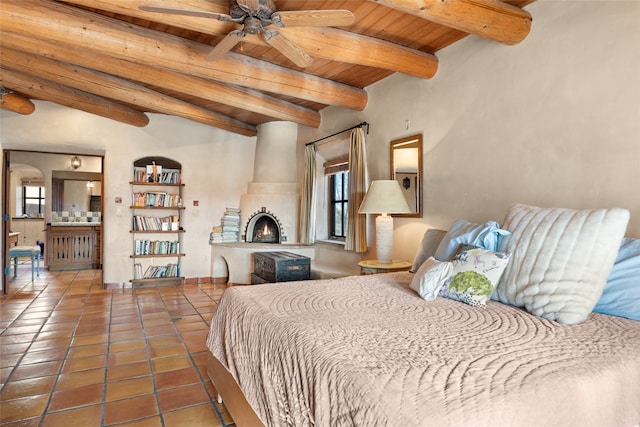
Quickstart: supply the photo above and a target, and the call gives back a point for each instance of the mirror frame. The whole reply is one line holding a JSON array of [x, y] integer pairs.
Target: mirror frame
[[414, 141]]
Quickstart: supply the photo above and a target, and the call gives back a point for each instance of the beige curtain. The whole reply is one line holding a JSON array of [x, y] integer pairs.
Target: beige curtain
[[356, 239], [308, 201]]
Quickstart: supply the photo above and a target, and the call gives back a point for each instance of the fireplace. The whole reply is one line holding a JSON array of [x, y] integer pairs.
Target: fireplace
[[264, 227], [269, 208]]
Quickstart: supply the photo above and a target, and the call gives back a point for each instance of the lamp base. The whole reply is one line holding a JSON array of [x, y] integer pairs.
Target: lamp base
[[384, 239]]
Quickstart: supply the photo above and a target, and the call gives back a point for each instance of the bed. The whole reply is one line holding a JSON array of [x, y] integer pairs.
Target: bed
[[368, 351]]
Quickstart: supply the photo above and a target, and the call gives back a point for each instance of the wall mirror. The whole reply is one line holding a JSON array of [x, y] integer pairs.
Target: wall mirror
[[406, 168], [75, 191]]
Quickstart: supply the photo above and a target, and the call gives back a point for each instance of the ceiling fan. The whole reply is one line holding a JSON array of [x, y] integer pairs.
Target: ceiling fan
[[256, 15]]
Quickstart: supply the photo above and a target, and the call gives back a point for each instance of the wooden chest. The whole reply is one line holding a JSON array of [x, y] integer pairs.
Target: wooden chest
[[280, 267]]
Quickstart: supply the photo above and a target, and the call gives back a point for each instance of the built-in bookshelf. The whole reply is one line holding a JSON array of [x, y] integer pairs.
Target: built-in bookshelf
[[156, 205]]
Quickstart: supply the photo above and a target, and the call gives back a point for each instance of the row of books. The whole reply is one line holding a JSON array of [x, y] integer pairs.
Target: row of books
[[167, 176], [156, 247], [156, 271], [146, 223], [149, 199], [229, 229]]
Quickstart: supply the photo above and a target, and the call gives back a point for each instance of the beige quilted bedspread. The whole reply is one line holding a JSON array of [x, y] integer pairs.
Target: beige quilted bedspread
[[368, 351]]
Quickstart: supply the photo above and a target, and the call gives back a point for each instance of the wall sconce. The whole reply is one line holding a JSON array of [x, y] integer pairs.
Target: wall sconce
[[406, 183], [75, 162], [90, 184]]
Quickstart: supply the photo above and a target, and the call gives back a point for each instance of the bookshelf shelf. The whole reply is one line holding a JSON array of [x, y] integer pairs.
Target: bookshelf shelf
[[156, 208], [156, 256], [158, 281], [156, 184], [177, 208], [156, 231]]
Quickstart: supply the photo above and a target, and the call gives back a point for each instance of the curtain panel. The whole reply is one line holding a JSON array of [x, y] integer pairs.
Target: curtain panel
[[356, 239], [308, 200]]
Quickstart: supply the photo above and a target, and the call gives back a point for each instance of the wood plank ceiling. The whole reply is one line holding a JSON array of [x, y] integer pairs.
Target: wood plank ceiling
[[110, 58]]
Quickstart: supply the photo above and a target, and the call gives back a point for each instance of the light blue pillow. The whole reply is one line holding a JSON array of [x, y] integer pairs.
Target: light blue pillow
[[621, 294], [484, 236]]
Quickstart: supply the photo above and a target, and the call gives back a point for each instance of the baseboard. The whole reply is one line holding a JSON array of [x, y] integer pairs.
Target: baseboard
[[118, 285], [187, 281], [201, 280]]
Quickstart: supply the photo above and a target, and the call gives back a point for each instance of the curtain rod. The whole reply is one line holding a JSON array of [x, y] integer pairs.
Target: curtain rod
[[359, 125]]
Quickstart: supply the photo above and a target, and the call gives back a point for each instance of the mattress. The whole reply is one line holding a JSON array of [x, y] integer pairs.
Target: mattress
[[367, 350]]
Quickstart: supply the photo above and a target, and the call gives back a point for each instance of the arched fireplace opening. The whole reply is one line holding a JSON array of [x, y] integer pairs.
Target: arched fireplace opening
[[263, 227], [265, 231]]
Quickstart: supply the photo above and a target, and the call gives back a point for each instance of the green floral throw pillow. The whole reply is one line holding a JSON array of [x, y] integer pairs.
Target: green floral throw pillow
[[475, 274]]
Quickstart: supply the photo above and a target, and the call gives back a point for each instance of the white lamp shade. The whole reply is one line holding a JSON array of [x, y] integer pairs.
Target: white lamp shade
[[384, 196]]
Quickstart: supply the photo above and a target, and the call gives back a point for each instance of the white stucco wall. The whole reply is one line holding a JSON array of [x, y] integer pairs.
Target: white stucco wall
[[216, 168], [553, 121]]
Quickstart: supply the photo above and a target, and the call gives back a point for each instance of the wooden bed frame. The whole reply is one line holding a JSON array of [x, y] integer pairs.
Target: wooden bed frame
[[232, 397]]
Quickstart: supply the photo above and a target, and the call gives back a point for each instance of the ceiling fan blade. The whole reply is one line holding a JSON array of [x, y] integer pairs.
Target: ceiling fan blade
[[186, 12], [313, 18], [225, 45], [289, 49]]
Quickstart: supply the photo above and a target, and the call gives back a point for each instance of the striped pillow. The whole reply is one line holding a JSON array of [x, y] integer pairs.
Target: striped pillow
[[560, 259]]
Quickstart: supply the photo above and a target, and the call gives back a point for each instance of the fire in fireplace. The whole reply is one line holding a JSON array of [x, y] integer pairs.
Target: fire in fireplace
[[263, 227]]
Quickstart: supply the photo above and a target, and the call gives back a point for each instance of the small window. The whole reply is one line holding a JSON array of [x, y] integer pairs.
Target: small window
[[33, 200], [338, 204]]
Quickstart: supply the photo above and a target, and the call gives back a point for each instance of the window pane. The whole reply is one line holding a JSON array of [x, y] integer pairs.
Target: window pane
[[338, 220], [337, 194], [346, 186], [344, 217], [32, 191], [32, 209]]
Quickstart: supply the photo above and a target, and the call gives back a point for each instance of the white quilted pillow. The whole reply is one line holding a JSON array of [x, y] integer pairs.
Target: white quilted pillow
[[560, 259]]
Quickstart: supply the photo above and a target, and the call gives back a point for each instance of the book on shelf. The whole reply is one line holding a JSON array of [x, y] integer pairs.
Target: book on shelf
[[160, 271], [146, 223], [155, 199], [156, 247], [162, 176]]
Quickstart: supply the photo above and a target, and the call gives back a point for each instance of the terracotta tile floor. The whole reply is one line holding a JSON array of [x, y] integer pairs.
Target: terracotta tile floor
[[74, 354]]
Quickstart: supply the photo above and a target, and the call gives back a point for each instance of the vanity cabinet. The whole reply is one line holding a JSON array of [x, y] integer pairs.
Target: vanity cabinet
[[73, 247]]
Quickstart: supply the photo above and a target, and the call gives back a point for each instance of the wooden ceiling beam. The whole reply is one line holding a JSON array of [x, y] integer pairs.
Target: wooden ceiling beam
[[107, 86], [72, 98], [65, 24], [16, 103], [234, 96], [492, 19], [325, 43]]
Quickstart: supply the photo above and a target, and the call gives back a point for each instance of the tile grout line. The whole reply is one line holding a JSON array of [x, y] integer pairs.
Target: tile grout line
[[212, 399], [64, 360], [149, 360]]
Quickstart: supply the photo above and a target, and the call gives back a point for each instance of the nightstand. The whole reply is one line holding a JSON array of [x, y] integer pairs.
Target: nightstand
[[372, 266]]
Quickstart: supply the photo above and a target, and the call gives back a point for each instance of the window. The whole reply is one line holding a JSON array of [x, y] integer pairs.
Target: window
[[33, 200], [338, 204]]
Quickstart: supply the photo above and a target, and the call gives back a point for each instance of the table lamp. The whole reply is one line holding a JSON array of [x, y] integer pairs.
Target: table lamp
[[384, 197]]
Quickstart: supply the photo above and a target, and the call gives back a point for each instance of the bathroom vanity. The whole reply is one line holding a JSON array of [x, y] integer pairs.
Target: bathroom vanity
[[73, 246]]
